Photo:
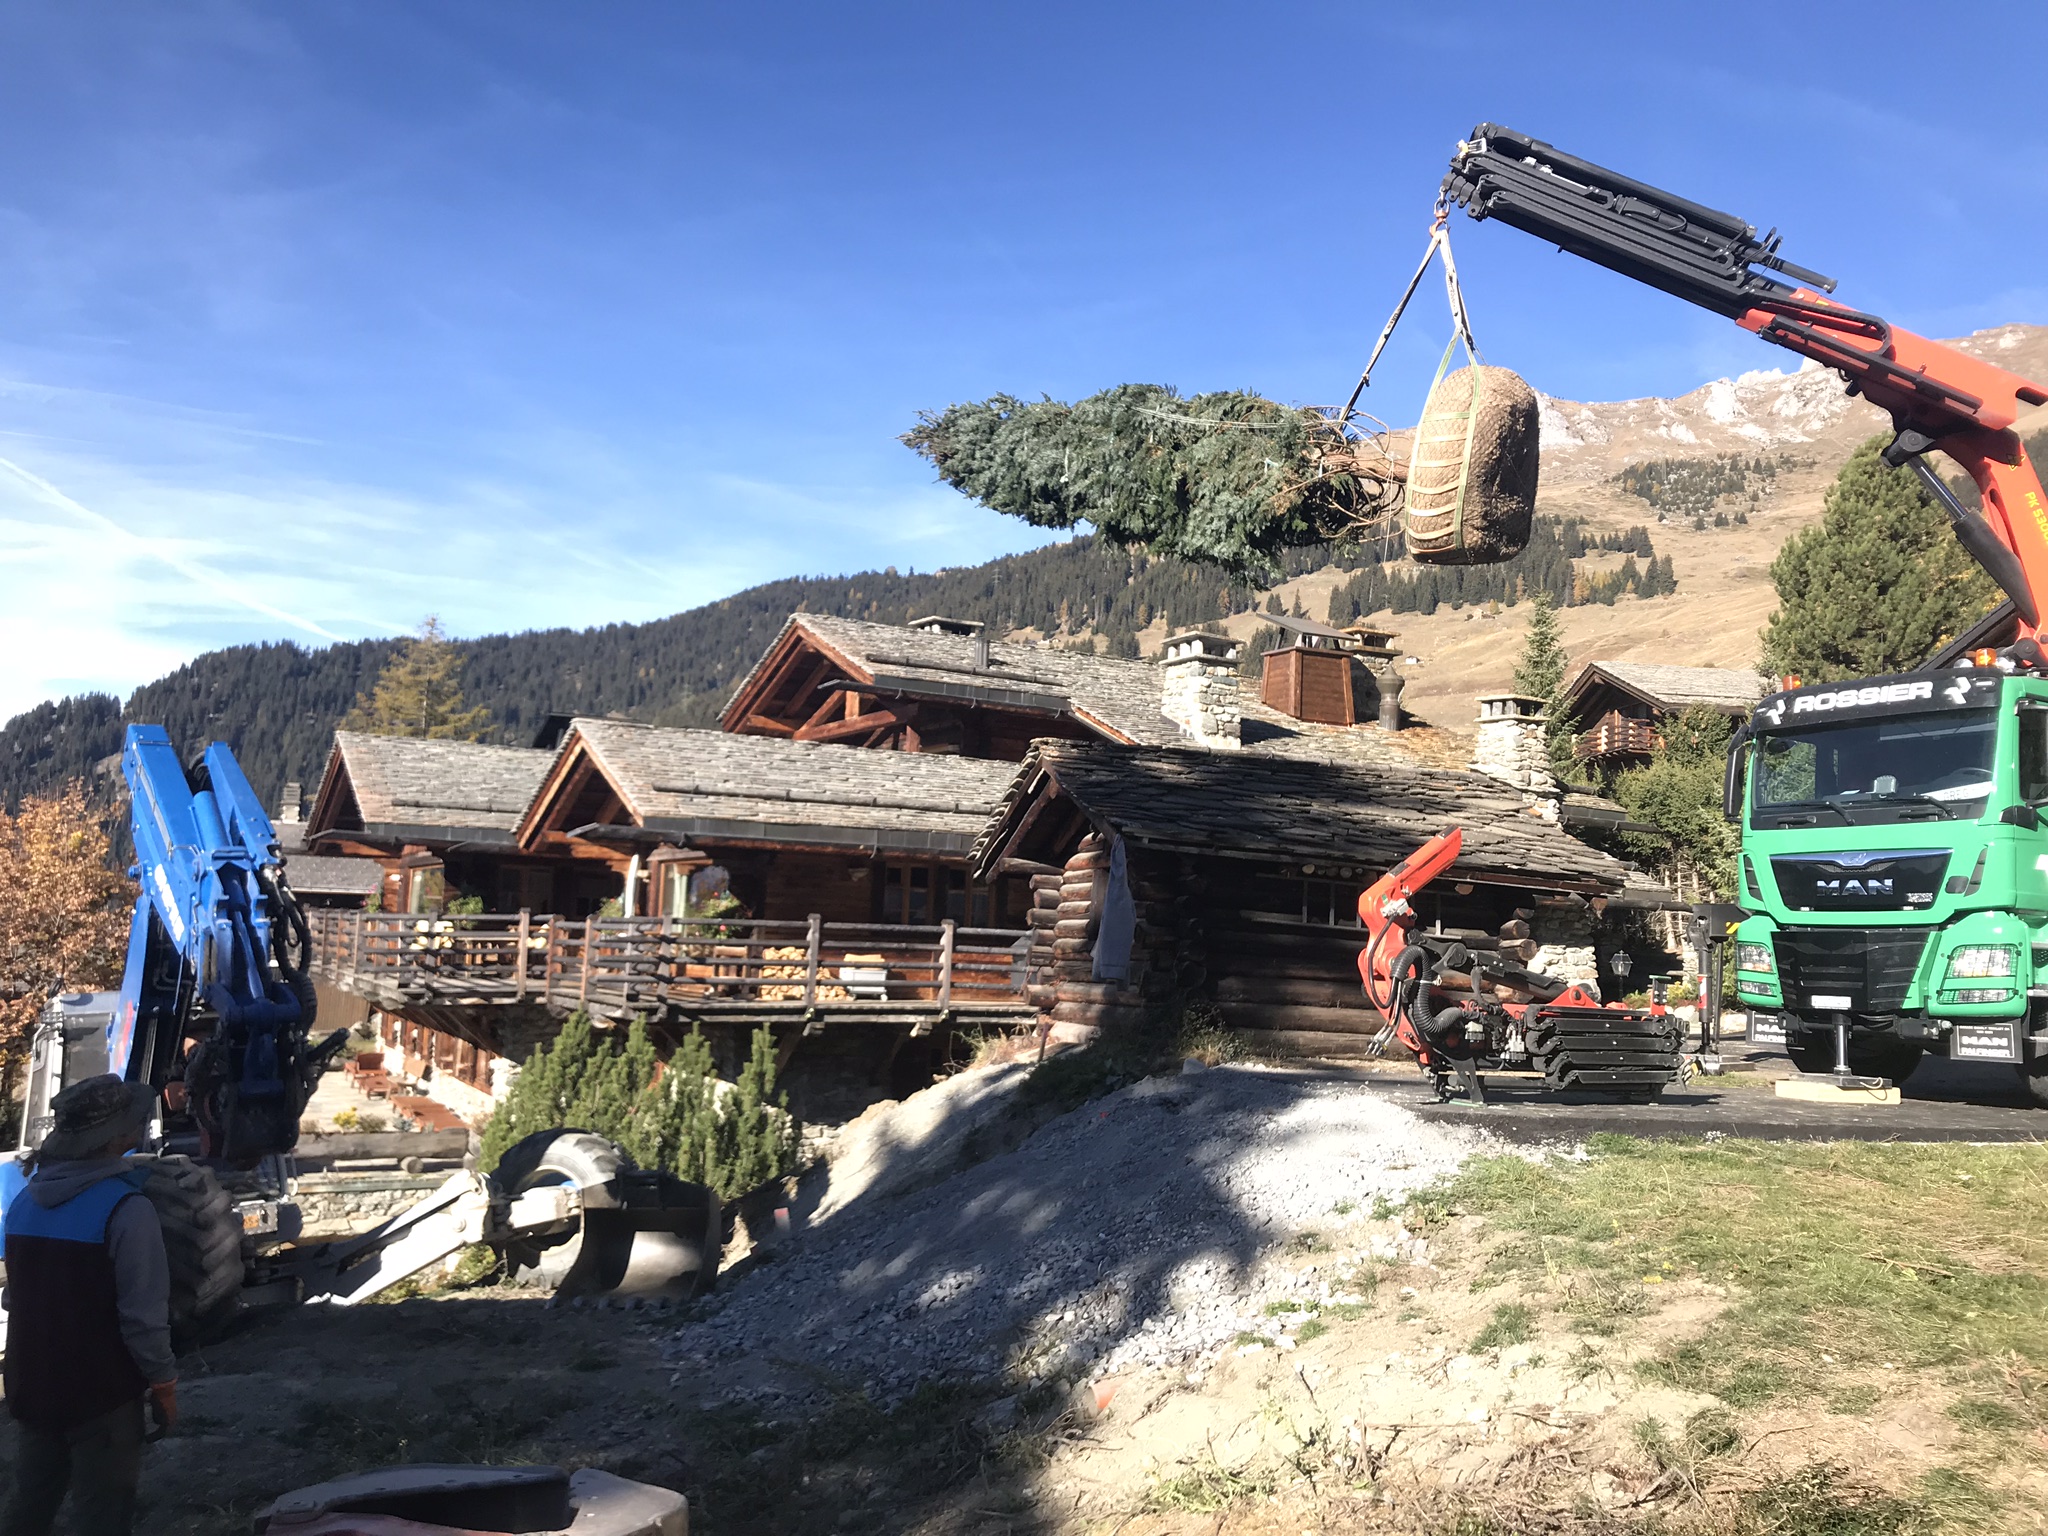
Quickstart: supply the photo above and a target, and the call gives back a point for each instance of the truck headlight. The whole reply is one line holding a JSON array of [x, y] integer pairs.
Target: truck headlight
[[1754, 957], [1983, 960]]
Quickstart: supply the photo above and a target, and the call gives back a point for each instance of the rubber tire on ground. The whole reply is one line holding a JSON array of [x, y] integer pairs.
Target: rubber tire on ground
[[596, 1259], [203, 1242], [581, 1159], [2033, 1075], [1869, 1055]]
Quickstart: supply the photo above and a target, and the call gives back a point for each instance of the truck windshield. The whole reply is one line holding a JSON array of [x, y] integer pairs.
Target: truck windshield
[[1944, 758]]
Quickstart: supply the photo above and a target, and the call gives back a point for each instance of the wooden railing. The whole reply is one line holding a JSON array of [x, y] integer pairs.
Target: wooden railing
[[1618, 736], [617, 965]]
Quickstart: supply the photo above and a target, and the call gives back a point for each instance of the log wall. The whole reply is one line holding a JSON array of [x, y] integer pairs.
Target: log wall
[[1294, 985]]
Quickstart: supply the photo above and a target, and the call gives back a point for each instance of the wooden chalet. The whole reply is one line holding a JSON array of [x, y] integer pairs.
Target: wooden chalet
[[1618, 707], [795, 827], [441, 819], [940, 686], [1245, 872], [855, 925]]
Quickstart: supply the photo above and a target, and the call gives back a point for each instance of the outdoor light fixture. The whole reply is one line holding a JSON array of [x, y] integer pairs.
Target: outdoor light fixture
[[1620, 963], [1982, 960]]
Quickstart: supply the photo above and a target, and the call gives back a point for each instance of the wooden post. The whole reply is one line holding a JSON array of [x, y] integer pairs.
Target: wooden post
[[583, 989], [549, 963], [812, 945], [519, 970], [355, 944], [946, 965]]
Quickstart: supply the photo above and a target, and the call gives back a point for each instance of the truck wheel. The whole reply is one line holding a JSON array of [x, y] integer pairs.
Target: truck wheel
[[1869, 1055], [202, 1240], [2033, 1075], [1884, 1056], [1811, 1053]]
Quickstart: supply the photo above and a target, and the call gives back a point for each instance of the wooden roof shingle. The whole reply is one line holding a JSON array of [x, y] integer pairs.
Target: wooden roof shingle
[[1672, 689], [1296, 810], [424, 790], [1120, 698], [758, 788]]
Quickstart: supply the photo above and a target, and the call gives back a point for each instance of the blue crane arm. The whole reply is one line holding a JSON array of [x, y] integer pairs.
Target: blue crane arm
[[213, 997]]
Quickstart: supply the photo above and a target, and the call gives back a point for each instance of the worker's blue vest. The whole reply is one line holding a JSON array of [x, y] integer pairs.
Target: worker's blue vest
[[66, 1360]]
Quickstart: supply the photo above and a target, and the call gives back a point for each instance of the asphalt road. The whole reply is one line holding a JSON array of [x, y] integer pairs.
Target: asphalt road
[[1942, 1101]]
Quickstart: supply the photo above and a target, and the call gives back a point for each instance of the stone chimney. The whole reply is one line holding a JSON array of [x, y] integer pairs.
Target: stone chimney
[[1512, 748], [959, 629], [1199, 693], [291, 806]]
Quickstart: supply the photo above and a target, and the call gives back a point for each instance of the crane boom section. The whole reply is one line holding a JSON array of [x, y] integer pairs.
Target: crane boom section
[[210, 980], [1936, 395]]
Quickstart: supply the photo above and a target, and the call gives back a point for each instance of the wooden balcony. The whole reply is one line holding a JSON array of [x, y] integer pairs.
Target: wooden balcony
[[675, 968], [1618, 736]]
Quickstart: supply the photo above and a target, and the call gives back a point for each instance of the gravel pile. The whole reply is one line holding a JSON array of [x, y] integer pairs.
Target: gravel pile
[[1148, 1228]]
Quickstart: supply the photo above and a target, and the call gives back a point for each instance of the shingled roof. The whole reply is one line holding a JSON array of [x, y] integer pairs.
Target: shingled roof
[[1120, 699], [1242, 806], [707, 784], [1672, 689], [313, 874], [409, 790]]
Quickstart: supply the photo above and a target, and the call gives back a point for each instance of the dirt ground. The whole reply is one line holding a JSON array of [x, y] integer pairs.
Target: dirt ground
[[1433, 1397], [1713, 1336]]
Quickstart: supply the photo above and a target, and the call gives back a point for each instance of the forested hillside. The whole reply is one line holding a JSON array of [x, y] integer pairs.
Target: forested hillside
[[277, 705]]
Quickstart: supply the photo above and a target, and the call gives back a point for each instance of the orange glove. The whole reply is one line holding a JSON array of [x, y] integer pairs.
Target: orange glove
[[163, 1396]]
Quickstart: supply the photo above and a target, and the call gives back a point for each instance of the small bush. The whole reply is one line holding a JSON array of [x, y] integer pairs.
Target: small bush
[[676, 1115], [1511, 1323]]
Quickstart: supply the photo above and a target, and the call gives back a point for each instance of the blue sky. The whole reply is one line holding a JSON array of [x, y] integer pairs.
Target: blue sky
[[318, 317]]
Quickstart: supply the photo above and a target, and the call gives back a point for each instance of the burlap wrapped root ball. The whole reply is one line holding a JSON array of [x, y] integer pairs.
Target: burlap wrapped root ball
[[1497, 475]]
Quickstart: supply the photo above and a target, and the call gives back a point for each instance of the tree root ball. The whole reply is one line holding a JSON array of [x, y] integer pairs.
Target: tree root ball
[[1478, 441]]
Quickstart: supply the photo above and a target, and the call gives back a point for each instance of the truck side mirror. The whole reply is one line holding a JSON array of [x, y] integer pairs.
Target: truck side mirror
[[1731, 783]]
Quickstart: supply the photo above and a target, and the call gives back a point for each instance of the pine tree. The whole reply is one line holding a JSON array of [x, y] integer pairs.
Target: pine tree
[[756, 1134], [1539, 674], [1679, 792], [1877, 585], [419, 693]]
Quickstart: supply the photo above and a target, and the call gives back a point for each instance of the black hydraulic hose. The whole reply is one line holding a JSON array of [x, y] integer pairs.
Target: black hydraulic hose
[[1409, 973], [1440, 1026]]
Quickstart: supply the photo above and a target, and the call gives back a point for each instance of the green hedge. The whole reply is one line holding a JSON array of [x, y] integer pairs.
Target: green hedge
[[676, 1115]]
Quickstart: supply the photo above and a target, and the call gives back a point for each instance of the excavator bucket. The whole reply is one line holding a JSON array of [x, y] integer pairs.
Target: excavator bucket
[[640, 1233], [567, 1204]]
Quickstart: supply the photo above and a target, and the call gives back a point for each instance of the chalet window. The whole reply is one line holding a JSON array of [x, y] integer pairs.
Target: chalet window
[[907, 894], [924, 895], [1324, 903], [426, 888], [532, 890]]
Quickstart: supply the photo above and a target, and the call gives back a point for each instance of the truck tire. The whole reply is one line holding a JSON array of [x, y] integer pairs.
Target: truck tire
[[642, 1233], [1869, 1055], [202, 1240], [2033, 1075]]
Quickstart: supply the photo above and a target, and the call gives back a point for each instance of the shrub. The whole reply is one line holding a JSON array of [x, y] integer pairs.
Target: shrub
[[677, 1115]]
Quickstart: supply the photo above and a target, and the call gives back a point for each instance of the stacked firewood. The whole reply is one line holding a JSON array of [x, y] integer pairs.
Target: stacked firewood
[[1498, 961]]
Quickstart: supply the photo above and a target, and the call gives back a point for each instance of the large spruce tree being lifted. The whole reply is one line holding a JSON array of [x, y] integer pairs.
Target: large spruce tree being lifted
[[1228, 478]]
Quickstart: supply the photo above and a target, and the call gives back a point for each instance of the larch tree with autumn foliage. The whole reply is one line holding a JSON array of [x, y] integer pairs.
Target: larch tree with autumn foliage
[[64, 917]]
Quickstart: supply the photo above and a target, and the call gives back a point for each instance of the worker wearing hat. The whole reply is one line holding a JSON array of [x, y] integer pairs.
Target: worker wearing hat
[[88, 1315]]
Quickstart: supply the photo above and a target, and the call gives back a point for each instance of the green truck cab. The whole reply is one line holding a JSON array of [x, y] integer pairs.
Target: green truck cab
[[1894, 871]]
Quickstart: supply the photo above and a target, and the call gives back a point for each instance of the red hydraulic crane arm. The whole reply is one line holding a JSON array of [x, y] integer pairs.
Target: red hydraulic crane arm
[[1937, 396]]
